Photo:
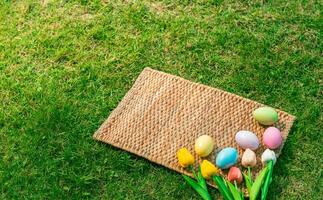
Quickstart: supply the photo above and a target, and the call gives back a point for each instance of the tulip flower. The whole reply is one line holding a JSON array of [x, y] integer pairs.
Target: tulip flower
[[235, 175], [268, 158], [249, 158], [208, 169], [185, 158], [268, 155]]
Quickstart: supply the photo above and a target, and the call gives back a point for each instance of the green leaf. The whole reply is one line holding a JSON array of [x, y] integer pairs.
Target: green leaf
[[201, 179], [257, 184], [267, 180], [234, 191], [248, 182], [201, 191], [222, 188]]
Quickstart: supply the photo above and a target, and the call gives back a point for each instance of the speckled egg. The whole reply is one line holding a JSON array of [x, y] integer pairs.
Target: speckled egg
[[226, 158], [272, 138], [265, 115], [247, 140], [204, 145]]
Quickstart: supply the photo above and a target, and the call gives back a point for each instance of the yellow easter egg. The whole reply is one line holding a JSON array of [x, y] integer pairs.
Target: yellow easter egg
[[204, 145]]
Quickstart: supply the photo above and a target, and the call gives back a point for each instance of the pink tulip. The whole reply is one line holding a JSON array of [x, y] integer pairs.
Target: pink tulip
[[235, 175]]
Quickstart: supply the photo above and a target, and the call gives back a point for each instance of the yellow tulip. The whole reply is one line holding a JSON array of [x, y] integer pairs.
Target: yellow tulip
[[208, 169], [185, 158]]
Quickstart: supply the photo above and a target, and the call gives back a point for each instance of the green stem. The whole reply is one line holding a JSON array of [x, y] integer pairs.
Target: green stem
[[249, 174], [236, 185], [193, 171], [241, 193], [201, 179]]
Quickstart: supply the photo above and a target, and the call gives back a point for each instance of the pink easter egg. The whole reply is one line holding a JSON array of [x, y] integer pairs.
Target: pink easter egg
[[272, 138]]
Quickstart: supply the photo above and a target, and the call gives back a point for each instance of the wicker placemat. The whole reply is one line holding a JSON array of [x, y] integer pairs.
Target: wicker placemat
[[162, 113]]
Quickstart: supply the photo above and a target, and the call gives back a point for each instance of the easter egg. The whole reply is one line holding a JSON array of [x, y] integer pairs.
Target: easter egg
[[226, 158], [204, 145], [247, 140], [265, 115], [272, 138]]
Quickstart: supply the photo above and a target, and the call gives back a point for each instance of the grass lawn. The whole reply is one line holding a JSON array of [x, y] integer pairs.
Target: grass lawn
[[64, 66]]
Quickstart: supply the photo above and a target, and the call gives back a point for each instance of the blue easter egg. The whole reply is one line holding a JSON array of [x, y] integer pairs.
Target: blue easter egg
[[226, 158]]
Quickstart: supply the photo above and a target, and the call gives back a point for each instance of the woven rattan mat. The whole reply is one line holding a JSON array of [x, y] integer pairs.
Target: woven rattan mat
[[162, 113]]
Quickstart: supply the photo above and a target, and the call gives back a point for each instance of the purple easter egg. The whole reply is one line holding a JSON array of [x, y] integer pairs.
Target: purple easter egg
[[247, 140], [272, 138]]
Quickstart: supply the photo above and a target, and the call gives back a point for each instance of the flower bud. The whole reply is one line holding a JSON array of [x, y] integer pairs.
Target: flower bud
[[249, 158], [268, 155], [185, 158], [208, 169], [235, 175]]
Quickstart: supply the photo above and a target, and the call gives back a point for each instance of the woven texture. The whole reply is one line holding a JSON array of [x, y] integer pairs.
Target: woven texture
[[162, 113]]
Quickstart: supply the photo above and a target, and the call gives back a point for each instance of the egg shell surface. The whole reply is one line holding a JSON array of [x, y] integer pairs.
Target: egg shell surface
[[247, 140], [272, 138], [226, 158]]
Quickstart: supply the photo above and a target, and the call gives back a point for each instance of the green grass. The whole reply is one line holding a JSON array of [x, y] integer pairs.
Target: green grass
[[64, 66]]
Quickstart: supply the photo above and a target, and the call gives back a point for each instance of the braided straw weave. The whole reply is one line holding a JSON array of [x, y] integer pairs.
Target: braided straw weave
[[162, 113]]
